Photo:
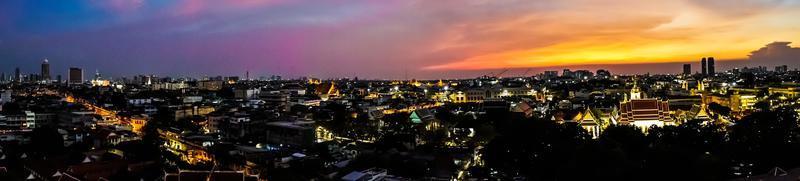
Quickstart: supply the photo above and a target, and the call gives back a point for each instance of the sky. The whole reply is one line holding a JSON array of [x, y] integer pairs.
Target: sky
[[392, 39]]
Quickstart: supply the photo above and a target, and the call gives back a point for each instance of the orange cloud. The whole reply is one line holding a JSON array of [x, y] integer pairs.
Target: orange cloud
[[618, 33]]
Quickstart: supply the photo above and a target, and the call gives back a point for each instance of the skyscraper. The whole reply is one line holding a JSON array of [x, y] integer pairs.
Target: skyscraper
[[711, 70], [17, 75], [566, 73], [687, 69], [75, 75], [703, 66], [782, 69], [46, 70]]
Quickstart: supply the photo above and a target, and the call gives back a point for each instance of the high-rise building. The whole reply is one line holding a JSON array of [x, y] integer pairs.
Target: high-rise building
[[45, 70], [566, 73], [17, 75], [602, 73], [703, 66], [711, 70], [687, 69], [550, 74], [782, 69], [582, 74], [75, 75]]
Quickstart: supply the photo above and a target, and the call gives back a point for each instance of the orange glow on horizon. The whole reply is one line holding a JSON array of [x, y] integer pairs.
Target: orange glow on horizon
[[646, 35]]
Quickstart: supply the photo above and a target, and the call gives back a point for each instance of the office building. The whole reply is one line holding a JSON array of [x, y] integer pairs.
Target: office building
[[17, 75], [549, 74], [566, 73], [687, 69], [703, 66], [45, 70], [711, 70], [75, 75], [782, 69]]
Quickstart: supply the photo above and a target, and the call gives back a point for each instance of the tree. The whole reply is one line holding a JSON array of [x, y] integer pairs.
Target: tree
[[46, 140], [535, 149]]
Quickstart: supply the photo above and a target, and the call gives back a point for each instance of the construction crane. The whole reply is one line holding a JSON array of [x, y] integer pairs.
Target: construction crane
[[526, 72], [501, 73]]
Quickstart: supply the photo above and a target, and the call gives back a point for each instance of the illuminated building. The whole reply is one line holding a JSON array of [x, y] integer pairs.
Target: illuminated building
[[698, 112], [169, 86], [420, 115], [137, 123], [25, 121], [323, 135], [787, 92], [193, 111], [635, 92], [212, 85], [522, 107], [326, 90], [246, 93], [482, 94], [739, 100], [591, 122], [458, 97], [189, 152], [100, 83], [75, 75], [643, 112]]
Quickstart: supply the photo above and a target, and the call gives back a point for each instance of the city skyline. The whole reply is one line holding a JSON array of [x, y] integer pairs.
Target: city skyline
[[669, 68], [399, 90], [387, 39]]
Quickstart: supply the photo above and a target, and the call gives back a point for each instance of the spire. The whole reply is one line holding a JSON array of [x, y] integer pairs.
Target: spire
[[635, 92]]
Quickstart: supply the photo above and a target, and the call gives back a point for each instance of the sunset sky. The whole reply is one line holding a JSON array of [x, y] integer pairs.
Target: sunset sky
[[383, 38]]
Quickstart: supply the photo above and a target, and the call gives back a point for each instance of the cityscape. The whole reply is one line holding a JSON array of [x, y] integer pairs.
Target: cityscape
[[243, 90]]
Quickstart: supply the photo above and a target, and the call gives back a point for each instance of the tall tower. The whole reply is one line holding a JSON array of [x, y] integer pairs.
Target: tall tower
[[46, 70], [75, 75], [17, 75], [635, 92], [703, 66], [711, 70], [687, 69]]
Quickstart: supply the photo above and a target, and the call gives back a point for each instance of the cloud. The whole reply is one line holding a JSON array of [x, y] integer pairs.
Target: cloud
[[774, 54], [738, 8], [119, 6], [387, 38]]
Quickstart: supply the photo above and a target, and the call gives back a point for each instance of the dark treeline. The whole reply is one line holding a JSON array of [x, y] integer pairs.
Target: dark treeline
[[544, 150]]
